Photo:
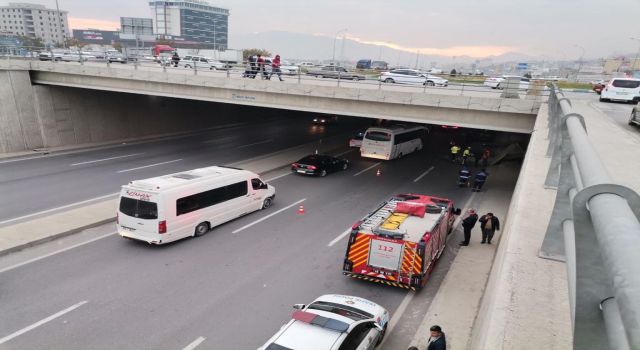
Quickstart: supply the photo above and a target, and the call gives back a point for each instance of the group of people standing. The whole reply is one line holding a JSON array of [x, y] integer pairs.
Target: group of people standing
[[257, 66], [489, 224], [465, 175]]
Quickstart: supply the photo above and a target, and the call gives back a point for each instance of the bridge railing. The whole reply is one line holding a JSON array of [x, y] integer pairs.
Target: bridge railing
[[466, 85], [595, 228]]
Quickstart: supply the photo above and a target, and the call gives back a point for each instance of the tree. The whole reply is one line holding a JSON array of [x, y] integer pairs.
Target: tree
[[71, 42], [453, 72], [251, 52], [31, 42]]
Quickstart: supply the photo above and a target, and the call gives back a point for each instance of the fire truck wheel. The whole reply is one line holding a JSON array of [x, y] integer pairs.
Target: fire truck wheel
[[267, 203], [201, 229]]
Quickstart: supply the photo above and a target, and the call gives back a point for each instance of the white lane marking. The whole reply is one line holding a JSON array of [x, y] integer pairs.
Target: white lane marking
[[255, 143], [341, 236], [21, 159], [268, 216], [194, 344], [369, 168], [397, 315], [424, 174], [55, 253], [277, 177], [105, 159], [59, 208], [148, 166], [220, 139], [41, 322], [343, 153]]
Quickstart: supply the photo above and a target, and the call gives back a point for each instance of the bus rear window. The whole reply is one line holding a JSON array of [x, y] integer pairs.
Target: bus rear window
[[377, 136], [628, 84], [138, 209]]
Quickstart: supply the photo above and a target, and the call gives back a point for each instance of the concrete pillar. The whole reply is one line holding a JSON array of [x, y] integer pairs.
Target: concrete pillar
[[510, 87], [19, 124]]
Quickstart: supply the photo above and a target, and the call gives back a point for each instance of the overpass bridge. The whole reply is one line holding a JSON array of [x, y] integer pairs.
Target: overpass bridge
[[36, 81]]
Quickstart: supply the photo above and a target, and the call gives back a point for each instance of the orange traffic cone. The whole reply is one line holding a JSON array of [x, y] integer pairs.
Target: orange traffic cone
[[301, 209], [378, 173]]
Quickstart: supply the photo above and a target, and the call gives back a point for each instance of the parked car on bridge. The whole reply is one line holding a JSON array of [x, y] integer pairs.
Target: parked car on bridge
[[289, 69], [116, 57], [319, 165], [412, 76], [336, 72], [635, 115], [371, 64], [332, 322], [621, 89], [498, 82], [201, 62], [46, 56]]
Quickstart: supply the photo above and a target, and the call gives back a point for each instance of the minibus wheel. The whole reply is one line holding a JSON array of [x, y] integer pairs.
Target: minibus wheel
[[201, 229], [267, 203]]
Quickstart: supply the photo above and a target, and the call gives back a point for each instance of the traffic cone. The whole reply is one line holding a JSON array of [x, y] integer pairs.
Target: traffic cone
[[378, 173], [301, 209]]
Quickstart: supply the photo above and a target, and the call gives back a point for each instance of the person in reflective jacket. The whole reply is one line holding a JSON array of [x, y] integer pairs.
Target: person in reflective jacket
[[481, 178], [463, 176]]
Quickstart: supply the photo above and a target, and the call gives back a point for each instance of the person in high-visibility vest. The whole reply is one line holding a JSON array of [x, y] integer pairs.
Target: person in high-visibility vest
[[454, 152], [465, 154]]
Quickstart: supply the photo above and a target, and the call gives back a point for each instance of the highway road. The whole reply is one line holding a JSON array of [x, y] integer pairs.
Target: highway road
[[618, 112], [230, 289], [34, 184]]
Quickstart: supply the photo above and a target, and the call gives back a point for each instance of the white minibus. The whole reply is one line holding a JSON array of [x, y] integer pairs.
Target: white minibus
[[392, 142], [166, 208]]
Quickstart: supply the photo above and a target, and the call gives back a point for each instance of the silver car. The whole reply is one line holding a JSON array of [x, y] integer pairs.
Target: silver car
[[336, 72], [634, 119]]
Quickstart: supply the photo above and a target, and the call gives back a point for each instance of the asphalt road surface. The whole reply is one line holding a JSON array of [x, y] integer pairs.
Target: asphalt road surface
[[230, 289], [35, 184]]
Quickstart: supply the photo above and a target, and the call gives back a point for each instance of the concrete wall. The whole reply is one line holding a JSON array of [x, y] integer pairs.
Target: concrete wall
[[19, 124]]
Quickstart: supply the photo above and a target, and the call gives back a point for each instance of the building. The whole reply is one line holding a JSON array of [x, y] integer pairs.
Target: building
[[136, 26], [194, 21], [35, 21]]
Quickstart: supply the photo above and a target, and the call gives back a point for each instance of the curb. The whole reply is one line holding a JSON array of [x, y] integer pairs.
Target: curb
[[55, 236]]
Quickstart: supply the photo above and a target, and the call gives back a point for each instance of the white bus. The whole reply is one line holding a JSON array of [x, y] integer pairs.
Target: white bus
[[392, 142], [163, 209]]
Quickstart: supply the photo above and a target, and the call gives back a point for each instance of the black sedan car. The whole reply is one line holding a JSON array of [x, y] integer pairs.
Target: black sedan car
[[320, 165]]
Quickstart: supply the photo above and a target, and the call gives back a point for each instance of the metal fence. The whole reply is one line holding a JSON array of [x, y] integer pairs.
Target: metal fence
[[595, 228], [456, 85]]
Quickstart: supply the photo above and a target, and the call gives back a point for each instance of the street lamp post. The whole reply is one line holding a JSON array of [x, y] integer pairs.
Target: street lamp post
[[635, 60], [335, 37], [64, 41], [581, 61]]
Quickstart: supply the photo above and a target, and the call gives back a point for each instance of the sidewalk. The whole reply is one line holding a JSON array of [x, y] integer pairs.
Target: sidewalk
[[25, 234], [457, 302]]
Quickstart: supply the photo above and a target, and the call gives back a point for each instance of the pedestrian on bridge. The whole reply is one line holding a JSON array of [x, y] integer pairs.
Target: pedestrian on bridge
[[437, 340], [275, 68], [489, 224], [480, 179], [467, 224]]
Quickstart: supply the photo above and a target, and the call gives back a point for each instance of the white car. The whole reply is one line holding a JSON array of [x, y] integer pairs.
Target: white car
[[621, 89], [411, 76], [356, 141], [288, 68], [306, 65], [498, 82], [332, 322], [201, 62]]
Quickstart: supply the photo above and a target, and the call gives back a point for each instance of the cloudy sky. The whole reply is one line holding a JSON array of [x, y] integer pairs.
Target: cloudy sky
[[479, 28]]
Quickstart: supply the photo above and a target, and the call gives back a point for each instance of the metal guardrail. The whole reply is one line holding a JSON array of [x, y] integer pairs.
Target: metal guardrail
[[595, 228]]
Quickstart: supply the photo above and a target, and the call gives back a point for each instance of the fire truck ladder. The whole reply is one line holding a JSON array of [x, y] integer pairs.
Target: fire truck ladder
[[377, 218]]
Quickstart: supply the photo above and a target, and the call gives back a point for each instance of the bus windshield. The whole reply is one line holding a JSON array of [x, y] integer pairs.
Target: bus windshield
[[377, 136]]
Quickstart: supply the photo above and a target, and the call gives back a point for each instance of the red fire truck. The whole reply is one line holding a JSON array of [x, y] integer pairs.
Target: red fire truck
[[399, 243]]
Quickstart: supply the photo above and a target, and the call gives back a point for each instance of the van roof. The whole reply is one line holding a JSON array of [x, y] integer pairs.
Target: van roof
[[171, 181]]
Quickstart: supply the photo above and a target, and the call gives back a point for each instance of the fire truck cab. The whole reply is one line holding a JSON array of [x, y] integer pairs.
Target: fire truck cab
[[399, 243]]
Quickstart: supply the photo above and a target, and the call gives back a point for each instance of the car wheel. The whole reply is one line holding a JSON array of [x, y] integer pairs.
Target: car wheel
[[201, 229], [389, 81], [267, 202], [430, 83], [603, 99], [323, 173], [355, 79], [187, 66], [345, 166]]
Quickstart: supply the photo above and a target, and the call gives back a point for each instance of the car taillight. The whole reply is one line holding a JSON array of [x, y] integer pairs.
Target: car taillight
[[295, 165], [162, 226], [312, 167]]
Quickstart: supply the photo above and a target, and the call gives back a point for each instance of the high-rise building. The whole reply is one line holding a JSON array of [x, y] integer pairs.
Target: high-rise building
[[35, 21], [137, 26], [191, 20]]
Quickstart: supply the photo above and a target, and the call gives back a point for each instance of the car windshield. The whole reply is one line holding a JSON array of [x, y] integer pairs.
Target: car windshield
[[342, 310], [628, 84], [377, 136], [138, 209]]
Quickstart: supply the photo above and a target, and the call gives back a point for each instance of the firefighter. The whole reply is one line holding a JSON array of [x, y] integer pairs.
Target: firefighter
[[464, 175], [454, 152], [480, 179]]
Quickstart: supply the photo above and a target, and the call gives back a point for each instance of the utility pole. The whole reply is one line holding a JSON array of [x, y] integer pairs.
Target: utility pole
[[635, 61], [417, 59], [64, 39], [580, 62], [344, 38], [335, 37]]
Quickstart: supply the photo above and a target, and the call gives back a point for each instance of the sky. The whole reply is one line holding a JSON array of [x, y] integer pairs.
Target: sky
[[554, 29]]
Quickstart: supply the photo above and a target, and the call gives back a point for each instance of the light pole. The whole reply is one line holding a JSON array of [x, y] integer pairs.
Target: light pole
[[64, 41], [580, 63], [635, 60], [335, 37]]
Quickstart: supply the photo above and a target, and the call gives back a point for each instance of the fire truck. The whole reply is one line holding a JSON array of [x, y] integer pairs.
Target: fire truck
[[399, 243]]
